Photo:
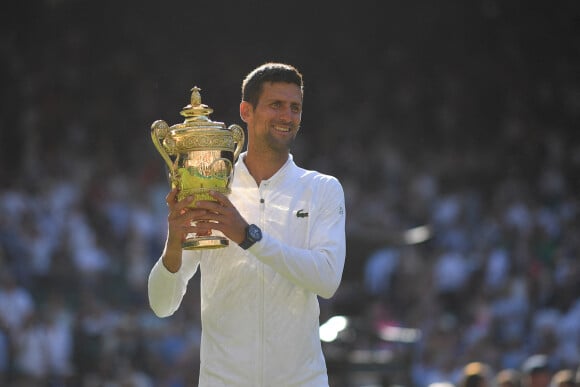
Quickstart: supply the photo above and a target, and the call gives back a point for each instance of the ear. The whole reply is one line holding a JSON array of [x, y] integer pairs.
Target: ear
[[245, 110]]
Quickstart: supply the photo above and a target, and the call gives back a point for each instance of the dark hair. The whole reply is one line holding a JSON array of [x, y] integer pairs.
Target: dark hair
[[268, 72], [473, 381], [475, 374]]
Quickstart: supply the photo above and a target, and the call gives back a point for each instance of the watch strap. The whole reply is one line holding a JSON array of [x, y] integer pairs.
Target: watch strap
[[250, 239]]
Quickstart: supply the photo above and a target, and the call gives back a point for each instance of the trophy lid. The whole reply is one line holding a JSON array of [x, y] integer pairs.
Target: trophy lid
[[196, 115]]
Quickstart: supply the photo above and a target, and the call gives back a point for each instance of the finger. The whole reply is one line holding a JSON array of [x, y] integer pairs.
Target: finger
[[221, 198], [199, 214], [210, 205], [184, 204], [202, 226], [171, 197]]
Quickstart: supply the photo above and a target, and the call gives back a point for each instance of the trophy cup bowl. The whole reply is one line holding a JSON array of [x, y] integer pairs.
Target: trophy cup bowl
[[200, 154]]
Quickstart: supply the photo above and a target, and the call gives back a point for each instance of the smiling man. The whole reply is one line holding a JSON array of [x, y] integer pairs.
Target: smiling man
[[259, 295]]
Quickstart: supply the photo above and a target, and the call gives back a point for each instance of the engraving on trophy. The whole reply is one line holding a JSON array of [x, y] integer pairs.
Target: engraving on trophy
[[200, 154]]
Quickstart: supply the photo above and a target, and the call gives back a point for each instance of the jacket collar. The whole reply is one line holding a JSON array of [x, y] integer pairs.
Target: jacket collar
[[280, 174]]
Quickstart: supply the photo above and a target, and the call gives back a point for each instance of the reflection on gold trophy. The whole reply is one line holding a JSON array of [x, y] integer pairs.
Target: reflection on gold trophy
[[200, 154]]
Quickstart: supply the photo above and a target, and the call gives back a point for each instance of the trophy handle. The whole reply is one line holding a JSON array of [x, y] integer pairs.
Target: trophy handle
[[239, 139], [160, 130]]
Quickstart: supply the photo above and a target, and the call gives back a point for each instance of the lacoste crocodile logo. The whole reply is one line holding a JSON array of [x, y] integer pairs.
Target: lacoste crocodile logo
[[301, 214]]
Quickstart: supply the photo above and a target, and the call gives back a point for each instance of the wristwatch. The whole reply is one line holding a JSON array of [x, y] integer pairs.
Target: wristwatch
[[253, 235]]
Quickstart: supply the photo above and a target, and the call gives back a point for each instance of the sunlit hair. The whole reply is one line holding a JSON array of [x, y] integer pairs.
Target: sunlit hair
[[268, 72], [475, 374]]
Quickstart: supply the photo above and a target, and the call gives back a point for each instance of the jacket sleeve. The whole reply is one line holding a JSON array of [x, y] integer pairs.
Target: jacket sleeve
[[319, 267], [166, 289]]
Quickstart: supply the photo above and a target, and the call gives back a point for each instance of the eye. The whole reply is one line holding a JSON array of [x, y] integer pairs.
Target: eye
[[275, 105], [296, 108]]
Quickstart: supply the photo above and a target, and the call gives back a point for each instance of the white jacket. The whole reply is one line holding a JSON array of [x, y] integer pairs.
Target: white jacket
[[259, 307]]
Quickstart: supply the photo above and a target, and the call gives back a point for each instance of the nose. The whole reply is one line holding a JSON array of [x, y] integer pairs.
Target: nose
[[287, 114]]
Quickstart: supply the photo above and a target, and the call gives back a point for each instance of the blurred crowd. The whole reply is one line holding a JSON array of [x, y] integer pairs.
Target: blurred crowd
[[460, 162]]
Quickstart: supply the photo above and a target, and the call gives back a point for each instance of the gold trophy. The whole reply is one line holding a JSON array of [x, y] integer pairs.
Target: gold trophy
[[200, 154]]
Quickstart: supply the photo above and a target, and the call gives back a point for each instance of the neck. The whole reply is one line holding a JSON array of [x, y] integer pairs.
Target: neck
[[264, 166]]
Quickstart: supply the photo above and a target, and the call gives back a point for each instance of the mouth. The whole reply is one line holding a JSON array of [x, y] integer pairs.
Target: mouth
[[282, 128]]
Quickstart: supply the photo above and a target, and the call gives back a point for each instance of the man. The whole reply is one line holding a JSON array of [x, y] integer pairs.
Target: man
[[536, 371], [563, 378], [259, 305], [508, 377], [476, 374]]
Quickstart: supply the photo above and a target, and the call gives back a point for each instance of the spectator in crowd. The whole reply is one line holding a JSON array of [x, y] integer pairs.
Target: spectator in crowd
[[476, 374], [563, 378], [536, 371], [508, 377], [16, 303]]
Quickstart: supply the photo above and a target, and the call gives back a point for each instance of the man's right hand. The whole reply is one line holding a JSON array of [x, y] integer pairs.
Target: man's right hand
[[178, 226]]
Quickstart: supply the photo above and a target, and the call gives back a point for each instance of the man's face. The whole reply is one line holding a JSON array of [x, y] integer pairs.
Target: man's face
[[539, 379], [275, 121]]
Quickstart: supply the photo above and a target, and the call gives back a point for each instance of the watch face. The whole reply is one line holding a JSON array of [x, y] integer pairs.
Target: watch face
[[255, 233]]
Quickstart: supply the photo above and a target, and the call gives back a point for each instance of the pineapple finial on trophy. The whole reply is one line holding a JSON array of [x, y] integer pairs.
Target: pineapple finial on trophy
[[196, 111]]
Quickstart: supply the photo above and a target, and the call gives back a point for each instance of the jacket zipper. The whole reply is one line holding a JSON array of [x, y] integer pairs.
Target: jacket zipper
[[261, 317]]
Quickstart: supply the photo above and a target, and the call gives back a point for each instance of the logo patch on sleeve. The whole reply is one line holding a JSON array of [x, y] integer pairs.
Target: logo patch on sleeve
[[301, 214]]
